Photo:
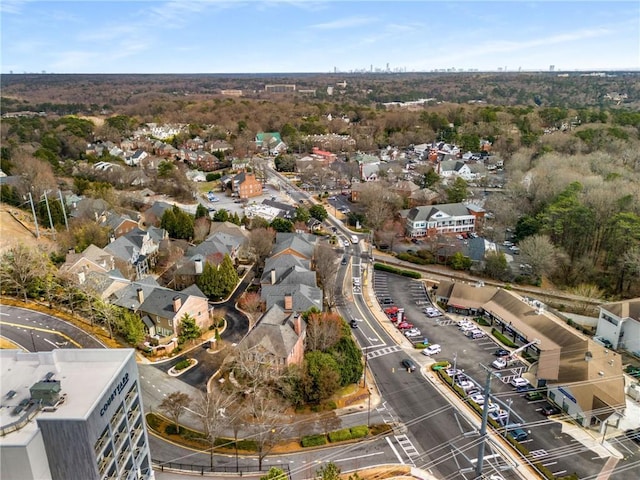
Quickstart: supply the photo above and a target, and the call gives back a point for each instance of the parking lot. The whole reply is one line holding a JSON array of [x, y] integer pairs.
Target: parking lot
[[472, 358]]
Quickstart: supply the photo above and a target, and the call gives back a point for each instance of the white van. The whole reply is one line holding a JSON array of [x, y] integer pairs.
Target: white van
[[354, 239]]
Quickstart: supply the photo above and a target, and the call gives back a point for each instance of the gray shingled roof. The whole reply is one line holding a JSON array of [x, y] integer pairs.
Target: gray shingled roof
[[273, 334], [160, 302], [281, 264], [304, 296], [127, 297], [300, 243], [426, 212]]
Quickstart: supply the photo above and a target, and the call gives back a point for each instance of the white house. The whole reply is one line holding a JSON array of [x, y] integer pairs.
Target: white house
[[449, 218]]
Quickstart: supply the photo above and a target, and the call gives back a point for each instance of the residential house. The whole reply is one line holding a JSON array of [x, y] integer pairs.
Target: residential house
[[92, 259], [404, 188], [327, 158], [270, 142], [134, 159], [423, 196], [212, 250], [118, 225], [135, 252], [449, 218], [220, 146], [619, 325], [285, 210], [163, 309], [245, 185], [276, 267], [300, 245], [277, 340]]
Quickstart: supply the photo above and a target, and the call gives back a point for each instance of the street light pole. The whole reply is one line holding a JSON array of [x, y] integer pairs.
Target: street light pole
[[506, 422], [483, 426], [455, 362]]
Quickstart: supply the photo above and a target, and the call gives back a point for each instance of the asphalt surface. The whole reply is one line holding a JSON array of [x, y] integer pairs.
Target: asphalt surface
[[559, 452]]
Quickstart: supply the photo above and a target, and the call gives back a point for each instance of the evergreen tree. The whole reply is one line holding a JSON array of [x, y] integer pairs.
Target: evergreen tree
[[282, 225], [201, 211], [221, 216], [318, 212], [189, 329], [208, 281], [130, 327], [458, 191], [228, 276]]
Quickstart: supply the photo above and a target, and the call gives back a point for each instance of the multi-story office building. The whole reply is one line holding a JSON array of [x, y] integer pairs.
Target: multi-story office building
[[72, 414]]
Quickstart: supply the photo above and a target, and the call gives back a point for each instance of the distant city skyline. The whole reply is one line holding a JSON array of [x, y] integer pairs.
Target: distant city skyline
[[218, 36]]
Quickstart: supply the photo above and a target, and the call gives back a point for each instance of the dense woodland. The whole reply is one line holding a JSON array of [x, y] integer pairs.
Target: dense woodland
[[571, 153]]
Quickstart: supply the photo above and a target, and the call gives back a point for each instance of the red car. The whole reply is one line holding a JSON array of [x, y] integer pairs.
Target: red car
[[404, 325]]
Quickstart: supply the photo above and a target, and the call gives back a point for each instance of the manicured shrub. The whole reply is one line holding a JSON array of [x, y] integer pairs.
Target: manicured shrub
[[182, 364], [313, 440], [171, 429], [360, 431], [340, 435]]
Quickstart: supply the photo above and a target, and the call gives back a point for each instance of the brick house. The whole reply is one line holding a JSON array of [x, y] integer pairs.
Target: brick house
[[246, 185]]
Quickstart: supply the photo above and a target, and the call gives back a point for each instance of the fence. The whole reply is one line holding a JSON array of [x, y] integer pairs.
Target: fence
[[207, 469]]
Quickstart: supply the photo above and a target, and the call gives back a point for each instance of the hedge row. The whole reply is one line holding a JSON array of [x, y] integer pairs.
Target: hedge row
[[503, 339], [341, 435], [398, 271], [313, 440]]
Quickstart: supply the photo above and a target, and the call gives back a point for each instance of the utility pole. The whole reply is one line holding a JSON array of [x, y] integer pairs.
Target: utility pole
[[46, 201], [483, 426], [35, 218], [64, 210]]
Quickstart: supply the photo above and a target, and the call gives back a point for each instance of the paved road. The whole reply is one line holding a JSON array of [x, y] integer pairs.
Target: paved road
[[39, 332], [559, 452]]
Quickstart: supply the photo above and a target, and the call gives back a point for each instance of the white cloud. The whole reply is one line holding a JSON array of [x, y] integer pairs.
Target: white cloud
[[344, 23]]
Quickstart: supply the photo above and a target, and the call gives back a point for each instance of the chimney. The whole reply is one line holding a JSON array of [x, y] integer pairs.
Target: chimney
[[273, 276], [140, 296], [297, 324], [177, 303], [198, 265], [288, 302]]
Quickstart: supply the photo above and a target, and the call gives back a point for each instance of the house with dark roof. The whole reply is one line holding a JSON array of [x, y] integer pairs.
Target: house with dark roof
[[162, 310], [299, 244], [277, 340], [449, 218], [286, 211], [136, 251], [117, 224]]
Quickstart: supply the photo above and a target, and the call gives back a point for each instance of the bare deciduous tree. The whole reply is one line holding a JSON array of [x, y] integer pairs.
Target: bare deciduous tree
[[323, 331], [327, 265], [173, 405], [260, 244], [212, 409], [267, 421], [21, 267], [540, 253]]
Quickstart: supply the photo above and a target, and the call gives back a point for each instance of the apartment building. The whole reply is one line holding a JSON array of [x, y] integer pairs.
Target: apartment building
[[72, 414]]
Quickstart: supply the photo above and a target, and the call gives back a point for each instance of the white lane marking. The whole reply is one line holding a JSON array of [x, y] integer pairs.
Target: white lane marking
[[394, 450], [49, 341]]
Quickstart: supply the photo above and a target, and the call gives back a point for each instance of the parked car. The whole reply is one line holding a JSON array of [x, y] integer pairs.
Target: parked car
[[500, 416], [478, 398], [525, 388], [453, 371], [466, 385], [433, 314], [432, 349], [387, 301], [409, 364], [519, 382], [501, 352], [533, 395], [516, 432], [413, 332], [549, 409], [475, 334], [499, 363], [404, 326]]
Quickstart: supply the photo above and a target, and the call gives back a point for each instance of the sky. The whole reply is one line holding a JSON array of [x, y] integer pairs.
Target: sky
[[269, 36]]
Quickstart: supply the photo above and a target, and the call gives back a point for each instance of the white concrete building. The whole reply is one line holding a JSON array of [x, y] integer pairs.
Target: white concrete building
[[72, 414], [619, 323]]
